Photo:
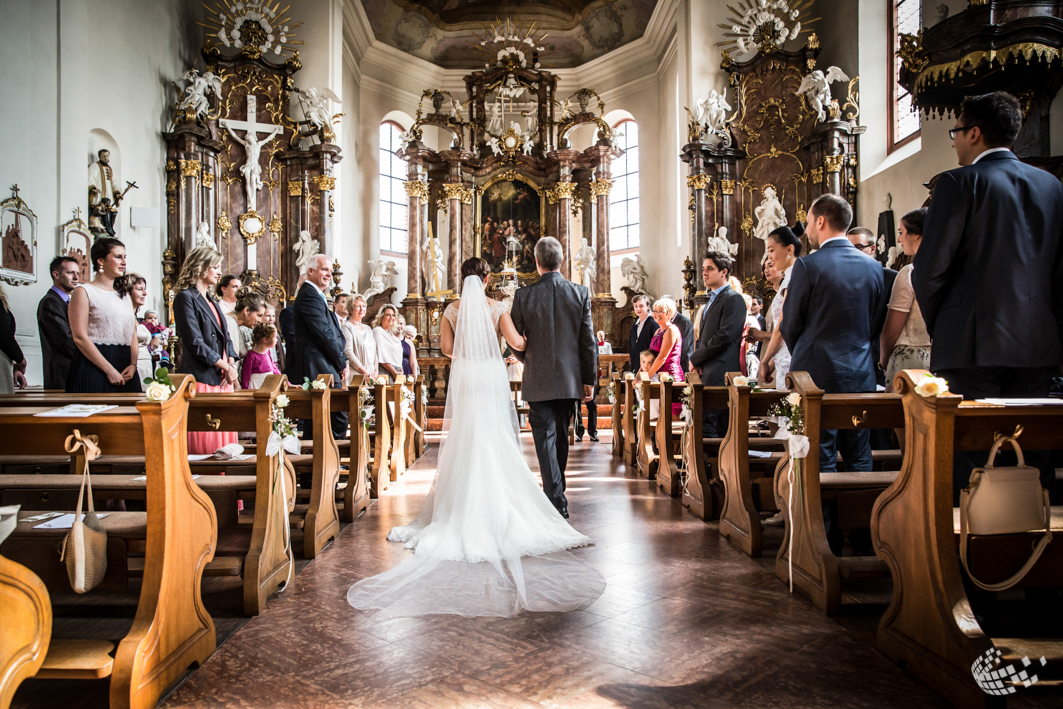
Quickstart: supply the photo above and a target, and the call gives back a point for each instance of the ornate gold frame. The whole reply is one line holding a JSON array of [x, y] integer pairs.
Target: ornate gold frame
[[252, 236], [510, 176]]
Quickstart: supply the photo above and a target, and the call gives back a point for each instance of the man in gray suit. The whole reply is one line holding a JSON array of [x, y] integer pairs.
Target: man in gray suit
[[560, 361]]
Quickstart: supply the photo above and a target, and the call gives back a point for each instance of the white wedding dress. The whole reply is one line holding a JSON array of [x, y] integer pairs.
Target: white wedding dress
[[487, 541]]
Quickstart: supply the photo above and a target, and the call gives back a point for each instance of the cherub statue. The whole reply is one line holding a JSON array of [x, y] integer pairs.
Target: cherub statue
[[527, 146], [585, 259], [304, 248], [315, 105], [719, 242], [495, 147], [770, 214], [380, 277], [203, 237], [455, 110], [195, 103], [816, 88], [634, 270]]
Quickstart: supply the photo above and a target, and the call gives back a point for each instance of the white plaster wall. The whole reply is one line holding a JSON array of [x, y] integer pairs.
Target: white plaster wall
[[72, 67]]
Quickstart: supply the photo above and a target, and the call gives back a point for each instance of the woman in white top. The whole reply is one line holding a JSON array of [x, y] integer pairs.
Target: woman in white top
[[905, 343], [104, 327], [388, 345], [226, 290], [137, 287], [248, 312], [783, 247], [360, 345]]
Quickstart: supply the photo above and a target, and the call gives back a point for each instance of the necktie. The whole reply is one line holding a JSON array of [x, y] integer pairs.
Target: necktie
[[705, 315]]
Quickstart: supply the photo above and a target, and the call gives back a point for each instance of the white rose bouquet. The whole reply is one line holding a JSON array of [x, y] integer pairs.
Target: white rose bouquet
[[159, 387], [790, 413], [932, 386]]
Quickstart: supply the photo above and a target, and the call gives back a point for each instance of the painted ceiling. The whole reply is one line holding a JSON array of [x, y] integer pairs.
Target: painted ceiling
[[440, 31]]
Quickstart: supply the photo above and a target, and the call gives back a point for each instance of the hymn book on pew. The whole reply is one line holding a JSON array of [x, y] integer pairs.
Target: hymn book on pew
[[78, 410], [64, 521]]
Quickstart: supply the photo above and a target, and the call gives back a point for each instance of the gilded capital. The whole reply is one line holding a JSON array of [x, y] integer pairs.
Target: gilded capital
[[417, 188], [458, 191], [208, 179], [191, 168], [727, 186], [600, 188], [560, 191], [295, 188], [699, 182], [833, 163], [817, 175], [324, 182]]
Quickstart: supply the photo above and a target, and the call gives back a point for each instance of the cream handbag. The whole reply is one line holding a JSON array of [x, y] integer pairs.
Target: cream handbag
[[1005, 501], [85, 547]]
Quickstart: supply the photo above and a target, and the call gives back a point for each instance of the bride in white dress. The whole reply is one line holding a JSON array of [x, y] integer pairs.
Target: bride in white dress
[[487, 541]]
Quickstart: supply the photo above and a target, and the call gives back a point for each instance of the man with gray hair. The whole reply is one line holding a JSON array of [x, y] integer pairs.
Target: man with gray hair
[[560, 361], [319, 343]]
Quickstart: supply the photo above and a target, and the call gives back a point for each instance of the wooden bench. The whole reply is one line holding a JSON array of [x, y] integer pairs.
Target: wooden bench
[[667, 436], [171, 630], [929, 626], [817, 572], [629, 423], [355, 494], [647, 460], [617, 414]]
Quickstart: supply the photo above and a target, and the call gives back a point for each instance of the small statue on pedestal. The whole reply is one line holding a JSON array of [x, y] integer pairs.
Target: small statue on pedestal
[[816, 88], [380, 277], [203, 237], [720, 243], [634, 270], [770, 214], [587, 268], [304, 249]]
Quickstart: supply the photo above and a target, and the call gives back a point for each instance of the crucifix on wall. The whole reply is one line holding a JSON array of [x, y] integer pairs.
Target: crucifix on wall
[[251, 170]]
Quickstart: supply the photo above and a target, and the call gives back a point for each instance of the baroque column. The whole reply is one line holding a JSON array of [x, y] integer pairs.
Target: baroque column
[[457, 194], [413, 306], [600, 193], [561, 195]]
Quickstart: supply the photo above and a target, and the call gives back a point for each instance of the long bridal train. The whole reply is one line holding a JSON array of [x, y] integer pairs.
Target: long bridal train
[[487, 541]]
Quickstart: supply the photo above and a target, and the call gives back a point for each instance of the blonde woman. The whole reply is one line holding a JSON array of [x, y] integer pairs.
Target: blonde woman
[[667, 343], [136, 287], [206, 350], [388, 344], [360, 347], [104, 327], [12, 361]]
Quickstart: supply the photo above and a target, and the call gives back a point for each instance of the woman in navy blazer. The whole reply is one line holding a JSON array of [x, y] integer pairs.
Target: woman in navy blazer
[[206, 351]]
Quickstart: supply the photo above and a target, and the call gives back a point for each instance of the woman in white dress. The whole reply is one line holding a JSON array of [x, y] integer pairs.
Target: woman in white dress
[[487, 541], [137, 287], [360, 344], [388, 345], [783, 248]]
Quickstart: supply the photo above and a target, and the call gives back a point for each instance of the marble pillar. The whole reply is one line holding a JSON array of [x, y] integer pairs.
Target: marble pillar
[[600, 194]]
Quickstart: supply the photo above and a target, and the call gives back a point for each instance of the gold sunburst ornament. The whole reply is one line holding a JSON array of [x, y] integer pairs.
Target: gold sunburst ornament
[[255, 27], [764, 25]]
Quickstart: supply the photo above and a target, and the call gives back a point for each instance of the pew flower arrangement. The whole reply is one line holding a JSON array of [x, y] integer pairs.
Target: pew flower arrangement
[[665, 377], [159, 387], [611, 391], [791, 418], [686, 398], [382, 380], [316, 384], [282, 438], [744, 382], [639, 405], [932, 386], [366, 409], [629, 376]]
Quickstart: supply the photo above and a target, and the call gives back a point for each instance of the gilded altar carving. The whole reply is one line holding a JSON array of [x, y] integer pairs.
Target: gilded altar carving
[[833, 163], [295, 188], [560, 191], [727, 187], [909, 51], [224, 223], [324, 182], [699, 181], [171, 166], [191, 168], [817, 175], [208, 179], [601, 187], [417, 188], [459, 191]]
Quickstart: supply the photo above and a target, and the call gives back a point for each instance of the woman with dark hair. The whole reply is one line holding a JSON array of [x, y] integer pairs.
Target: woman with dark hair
[[226, 291], [136, 286], [104, 327], [206, 351], [250, 304], [905, 343], [471, 267], [388, 344], [783, 247]]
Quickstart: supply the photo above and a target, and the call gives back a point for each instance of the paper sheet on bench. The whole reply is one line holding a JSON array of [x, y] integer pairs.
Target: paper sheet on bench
[[63, 521], [759, 454], [1023, 402], [78, 410]]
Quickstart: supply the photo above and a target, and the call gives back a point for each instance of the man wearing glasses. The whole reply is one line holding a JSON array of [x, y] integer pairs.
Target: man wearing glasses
[[864, 239]]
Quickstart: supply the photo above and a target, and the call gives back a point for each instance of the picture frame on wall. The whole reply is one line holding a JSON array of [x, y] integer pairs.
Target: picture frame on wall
[[75, 241], [18, 241]]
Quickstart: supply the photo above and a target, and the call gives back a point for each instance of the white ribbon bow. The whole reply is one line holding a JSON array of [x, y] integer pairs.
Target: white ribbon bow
[[796, 447], [275, 445]]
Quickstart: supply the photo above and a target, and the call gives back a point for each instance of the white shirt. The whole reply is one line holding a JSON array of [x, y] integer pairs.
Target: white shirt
[[989, 152], [638, 328]]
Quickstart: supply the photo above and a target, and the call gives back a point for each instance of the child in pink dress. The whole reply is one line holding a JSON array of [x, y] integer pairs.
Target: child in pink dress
[[258, 362]]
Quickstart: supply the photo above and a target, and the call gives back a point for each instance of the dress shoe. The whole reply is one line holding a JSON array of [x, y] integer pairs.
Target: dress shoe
[[564, 512], [594, 437], [579, 439]]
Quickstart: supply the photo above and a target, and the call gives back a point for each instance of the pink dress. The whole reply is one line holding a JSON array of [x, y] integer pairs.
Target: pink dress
[[255, 363], [671, 363], [206, 442]]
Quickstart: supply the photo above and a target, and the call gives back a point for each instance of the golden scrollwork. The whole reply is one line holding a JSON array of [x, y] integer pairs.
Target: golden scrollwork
[[208, 179], [1002, 56], [224, 223], [295, 188], [911, 47], [691, 207], [699, 181], [747, 225], [275, 226], [170, 166], [727, 186], [851, 107], [813, 41], [417, 188], [443, 205], [252, 226], [191, 168], [171, 203], [601, 187], [171, 186], [833, 163], [324, 182], [577, 205], [817, 175], [560, 191]]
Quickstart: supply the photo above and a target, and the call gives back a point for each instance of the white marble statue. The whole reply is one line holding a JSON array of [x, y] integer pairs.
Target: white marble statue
[[634, 270], [494, 146], [435, 272], [770, 214], [527, 146], [494, 116], [532, 122], [203, 237], [816, 88], [719, 242], [251, 170], [304, 248], [711, 112], [455, 110], [315, 105], [199, 86], [585, 259], [380, 274]]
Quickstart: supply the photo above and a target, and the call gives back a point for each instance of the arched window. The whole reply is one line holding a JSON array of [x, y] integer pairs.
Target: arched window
[[624, 197], [394, 225], [905, 18]]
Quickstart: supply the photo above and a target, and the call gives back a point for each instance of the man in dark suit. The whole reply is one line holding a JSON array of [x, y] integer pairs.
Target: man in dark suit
[[864, 240], [686, 330], [827, 319], [988, 276], [642, 330], [57, 344], [719, 344], [319, 341], [560, 361]]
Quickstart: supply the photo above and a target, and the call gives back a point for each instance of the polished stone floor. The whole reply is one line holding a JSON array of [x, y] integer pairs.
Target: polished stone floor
[[685, 621]]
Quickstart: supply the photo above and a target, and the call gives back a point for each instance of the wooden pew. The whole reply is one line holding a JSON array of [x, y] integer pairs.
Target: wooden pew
[[929, 626], [381, 440], [667, 435], [26, 609], [399, 428], [629, 453], [172, 629], [817, 572], [355, 494], [617, 415], [421, 416], [647, 458]]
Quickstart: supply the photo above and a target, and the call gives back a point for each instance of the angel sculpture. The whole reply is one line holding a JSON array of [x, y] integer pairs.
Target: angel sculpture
[[711, 112], [892, 255], [770, 214], [195, 103], [816, 88], [494, 146], [634, 270], [494, 123], [432, 264], [585, 259], [315, 105], [203, 237], [406, 137], [306, 247], [379, 277], [455, 111], [527, 145]]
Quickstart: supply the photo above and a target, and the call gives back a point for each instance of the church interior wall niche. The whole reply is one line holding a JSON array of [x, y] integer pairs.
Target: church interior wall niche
[[18, 243], [75, 242]]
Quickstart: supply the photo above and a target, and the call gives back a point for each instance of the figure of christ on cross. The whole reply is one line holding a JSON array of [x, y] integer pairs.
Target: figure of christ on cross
[[251, 170]]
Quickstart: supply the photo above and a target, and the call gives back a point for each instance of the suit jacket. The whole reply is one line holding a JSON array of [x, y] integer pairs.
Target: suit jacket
[[637, 343], [203, 339], [57, 344], [989, 273], [319, 342], [827, 317], [686, 329], [562, 356], [889, 276], [286, 323], [719, 344]]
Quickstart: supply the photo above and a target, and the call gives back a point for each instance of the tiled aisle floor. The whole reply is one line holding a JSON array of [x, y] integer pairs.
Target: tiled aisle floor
[[685, 621]]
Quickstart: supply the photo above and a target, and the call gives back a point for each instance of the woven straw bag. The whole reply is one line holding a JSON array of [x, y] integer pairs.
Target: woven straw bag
[[85, 547]]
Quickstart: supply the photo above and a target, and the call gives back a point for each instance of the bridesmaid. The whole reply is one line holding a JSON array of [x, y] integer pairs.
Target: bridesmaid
[[206, 351], [104, 327]]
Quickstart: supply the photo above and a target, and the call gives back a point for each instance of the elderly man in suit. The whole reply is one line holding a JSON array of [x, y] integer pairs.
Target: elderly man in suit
[[989, 273], [642, 330], [720, 326], [319, 342], [57, 344]]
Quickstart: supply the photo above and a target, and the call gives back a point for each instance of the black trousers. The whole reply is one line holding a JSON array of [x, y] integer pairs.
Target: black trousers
[[714, 423], [339, 420], [998, 383], [855, 447], [549, 425], [592, 414]]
